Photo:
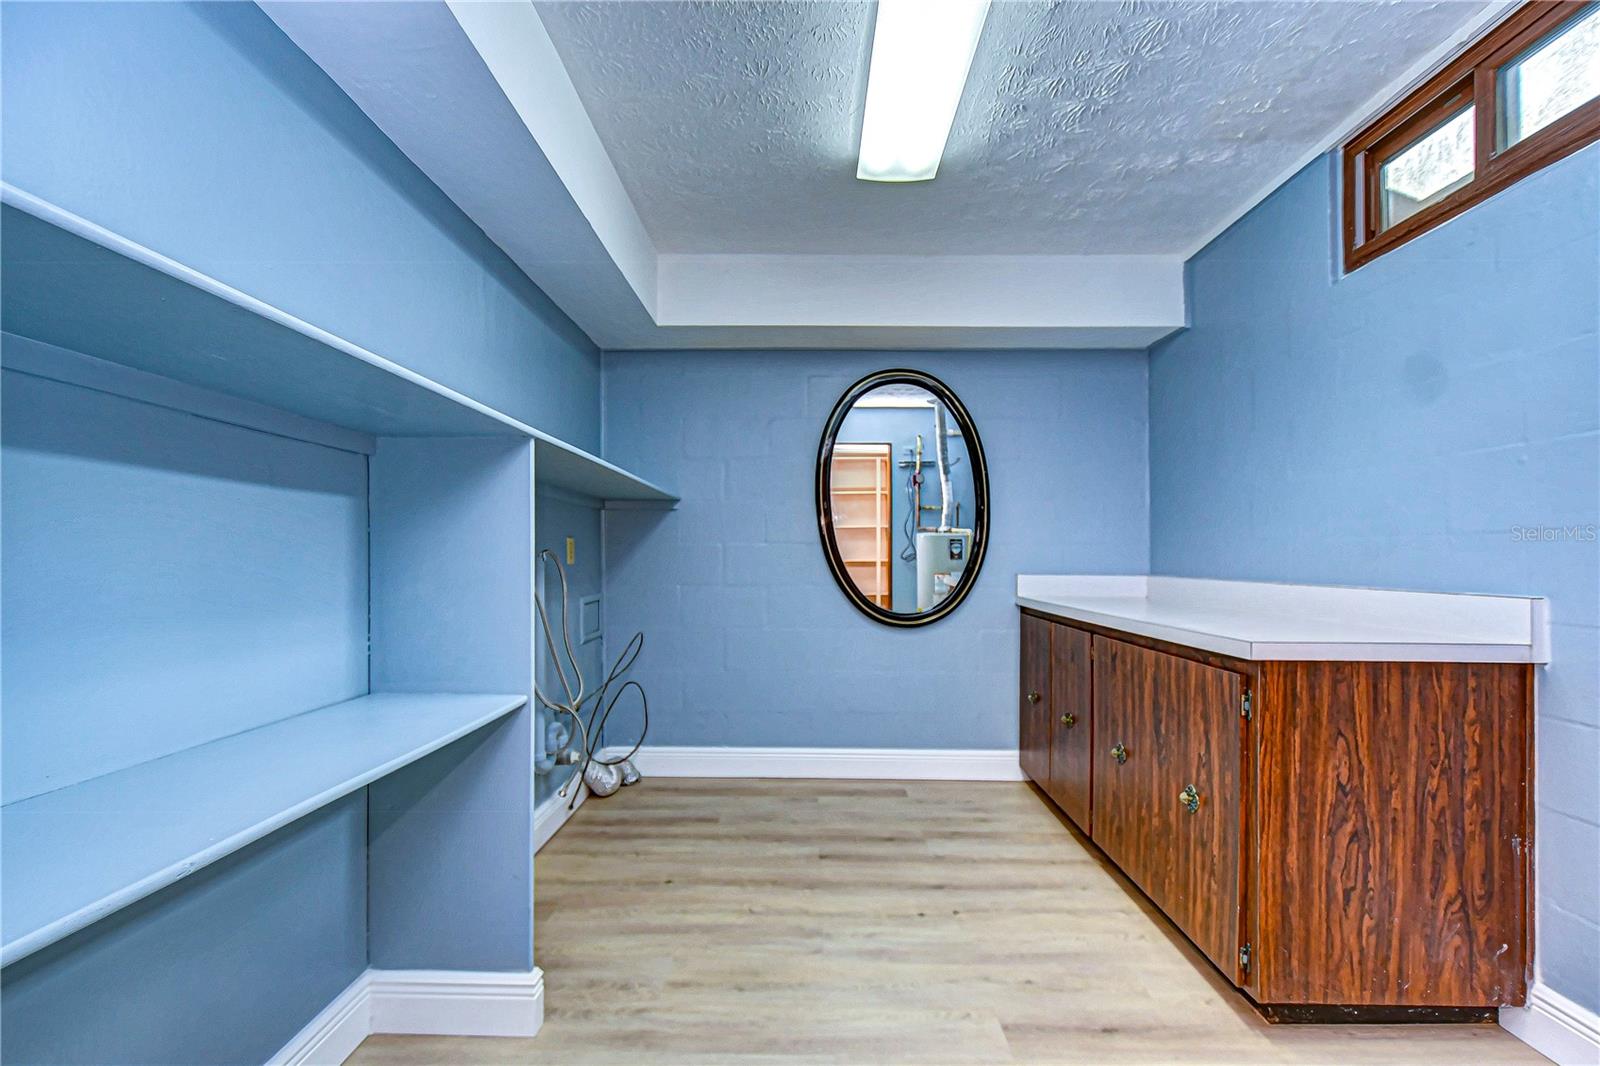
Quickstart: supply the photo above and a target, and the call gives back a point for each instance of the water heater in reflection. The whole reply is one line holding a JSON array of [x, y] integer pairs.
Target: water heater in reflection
[[941, 559]]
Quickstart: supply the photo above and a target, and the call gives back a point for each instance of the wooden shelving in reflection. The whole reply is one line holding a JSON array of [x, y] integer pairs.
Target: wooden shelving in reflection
[[862, 517]]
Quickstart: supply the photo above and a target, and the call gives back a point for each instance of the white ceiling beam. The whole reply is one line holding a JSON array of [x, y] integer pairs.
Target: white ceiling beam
[[523, 59], [947, 292], [414, 72]]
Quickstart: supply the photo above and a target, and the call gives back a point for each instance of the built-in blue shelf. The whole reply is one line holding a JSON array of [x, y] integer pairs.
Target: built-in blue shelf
[[71, 857], [74, 284]]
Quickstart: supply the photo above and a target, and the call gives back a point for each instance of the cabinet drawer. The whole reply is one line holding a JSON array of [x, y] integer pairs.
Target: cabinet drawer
[[1166, 786]]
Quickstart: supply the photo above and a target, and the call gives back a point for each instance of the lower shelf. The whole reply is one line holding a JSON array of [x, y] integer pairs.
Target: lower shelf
[[70, 857]]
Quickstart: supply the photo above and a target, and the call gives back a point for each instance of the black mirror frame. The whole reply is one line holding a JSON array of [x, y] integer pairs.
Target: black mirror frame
[[980, 493]]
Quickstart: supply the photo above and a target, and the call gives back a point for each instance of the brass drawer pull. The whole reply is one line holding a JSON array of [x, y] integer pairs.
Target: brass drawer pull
[[1120, 754], [1190, 798], [1069, 719], [1033, 697]]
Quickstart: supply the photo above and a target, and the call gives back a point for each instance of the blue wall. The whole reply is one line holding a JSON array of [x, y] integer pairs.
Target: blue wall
[[169, 579], [449, 857], [557, 516], [201, 131], [223, 967], [1398, 426], [899, 428], [750, 642]]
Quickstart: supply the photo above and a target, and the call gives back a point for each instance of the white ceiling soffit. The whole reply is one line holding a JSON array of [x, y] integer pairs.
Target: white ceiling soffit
[[493, 108], [473, 93], [413, 71]]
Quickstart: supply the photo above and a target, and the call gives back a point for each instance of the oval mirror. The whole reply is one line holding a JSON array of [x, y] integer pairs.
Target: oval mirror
[[902, 497]]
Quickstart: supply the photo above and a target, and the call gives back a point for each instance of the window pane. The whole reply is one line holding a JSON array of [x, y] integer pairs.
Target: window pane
[[1552, 79], [1429, 169]]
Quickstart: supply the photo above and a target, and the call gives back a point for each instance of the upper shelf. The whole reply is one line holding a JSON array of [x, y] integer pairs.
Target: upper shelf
[[1258, 620], [70, 857], [74, 284]]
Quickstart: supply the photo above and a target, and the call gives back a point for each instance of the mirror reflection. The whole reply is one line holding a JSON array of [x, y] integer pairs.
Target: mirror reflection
[[903, 498]]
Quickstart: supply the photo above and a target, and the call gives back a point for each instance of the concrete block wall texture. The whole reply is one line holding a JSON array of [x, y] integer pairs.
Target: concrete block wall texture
[[750, 642], [1430, 421]]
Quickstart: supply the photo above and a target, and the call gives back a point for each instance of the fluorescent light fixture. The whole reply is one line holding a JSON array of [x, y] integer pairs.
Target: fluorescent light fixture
[[921, 50]]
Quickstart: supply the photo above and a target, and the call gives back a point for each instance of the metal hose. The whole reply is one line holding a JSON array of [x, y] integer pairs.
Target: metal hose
[[585, 734], [941, 460]]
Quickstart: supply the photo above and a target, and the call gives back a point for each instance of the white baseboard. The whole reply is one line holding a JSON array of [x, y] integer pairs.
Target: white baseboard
[[457, 1003], [418, 1002], [1555, 1027], [884, 764], [336, 1031], [552, 814]]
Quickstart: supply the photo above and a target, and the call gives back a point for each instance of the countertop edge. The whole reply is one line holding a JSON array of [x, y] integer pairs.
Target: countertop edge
[[1289, 651]]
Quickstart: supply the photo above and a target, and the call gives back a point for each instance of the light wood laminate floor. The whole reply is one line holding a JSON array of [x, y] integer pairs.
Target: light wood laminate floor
[[711, 922]]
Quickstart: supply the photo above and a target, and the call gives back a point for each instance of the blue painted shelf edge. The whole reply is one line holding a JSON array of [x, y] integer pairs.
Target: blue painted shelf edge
[[79, 286], [71, 857]]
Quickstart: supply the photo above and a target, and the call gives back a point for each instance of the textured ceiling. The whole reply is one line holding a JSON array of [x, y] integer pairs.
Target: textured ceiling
[[1087, 127]]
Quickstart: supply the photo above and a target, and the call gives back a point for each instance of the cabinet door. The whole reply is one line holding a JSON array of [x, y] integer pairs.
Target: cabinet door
[[1033, 700], [1175, 723], [1071, 722]]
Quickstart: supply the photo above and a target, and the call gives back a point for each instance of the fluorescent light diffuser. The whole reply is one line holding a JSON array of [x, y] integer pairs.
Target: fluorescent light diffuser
[[921, 50]]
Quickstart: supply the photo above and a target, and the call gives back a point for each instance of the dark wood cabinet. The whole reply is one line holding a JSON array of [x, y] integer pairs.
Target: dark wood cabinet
[[1056, 714], [1343, 840], [1033, 698], [1167, 786], [1071, 723], [1395, 834]]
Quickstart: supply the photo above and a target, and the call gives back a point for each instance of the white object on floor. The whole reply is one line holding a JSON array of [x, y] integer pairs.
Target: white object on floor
[[1264, 620], [602, 778], [418, 1002], [880, 764]]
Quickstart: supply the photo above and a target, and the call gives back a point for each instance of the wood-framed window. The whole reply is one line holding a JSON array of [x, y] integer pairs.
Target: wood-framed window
[[1522, 96]]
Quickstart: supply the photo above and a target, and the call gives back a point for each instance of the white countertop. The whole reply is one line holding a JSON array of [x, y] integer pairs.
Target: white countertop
[[1260, 620]]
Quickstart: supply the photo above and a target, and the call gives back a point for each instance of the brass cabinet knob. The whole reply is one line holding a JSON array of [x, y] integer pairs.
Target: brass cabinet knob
[[1190, 798], [1069, 719], [1033, 697], [1120, 754]]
